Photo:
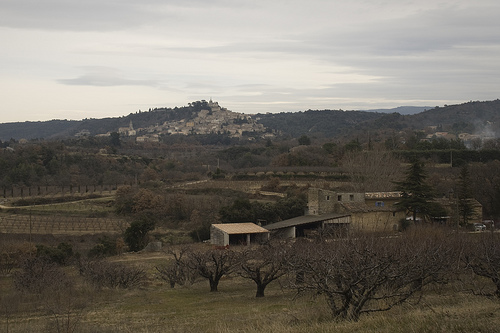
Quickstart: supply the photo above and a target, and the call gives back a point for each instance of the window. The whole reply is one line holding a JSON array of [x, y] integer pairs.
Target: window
[[339, 198], [379, 204], [327, 197], [351, 197]]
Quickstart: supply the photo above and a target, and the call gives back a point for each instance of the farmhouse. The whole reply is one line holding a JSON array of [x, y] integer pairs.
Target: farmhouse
[[338, 211], [368, 211], [237, 234]]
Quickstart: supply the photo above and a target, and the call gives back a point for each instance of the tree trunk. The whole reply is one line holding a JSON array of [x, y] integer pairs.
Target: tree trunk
[[260, 290], [213, 285]]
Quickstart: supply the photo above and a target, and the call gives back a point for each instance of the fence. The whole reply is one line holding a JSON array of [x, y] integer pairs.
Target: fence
[[54, 224], [53, 190]]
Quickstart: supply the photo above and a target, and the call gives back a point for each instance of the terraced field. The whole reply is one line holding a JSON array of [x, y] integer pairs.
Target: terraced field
[[54, 224]]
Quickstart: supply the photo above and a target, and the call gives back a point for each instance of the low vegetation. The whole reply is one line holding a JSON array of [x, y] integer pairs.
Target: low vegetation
[[77, 215], [424, 279]]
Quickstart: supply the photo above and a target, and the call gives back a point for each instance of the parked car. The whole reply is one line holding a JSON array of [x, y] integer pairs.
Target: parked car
[[479, 227], [490, 224]]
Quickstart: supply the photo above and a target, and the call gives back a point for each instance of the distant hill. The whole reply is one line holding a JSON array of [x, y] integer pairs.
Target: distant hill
[[470, 112], [470, 117], [467, 117], [54, 129], [328, 123], [404, 110]]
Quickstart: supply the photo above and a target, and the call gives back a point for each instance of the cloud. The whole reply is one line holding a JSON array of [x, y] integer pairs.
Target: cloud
[[76, 15], [105, 77], [250, 55], [98, 15]]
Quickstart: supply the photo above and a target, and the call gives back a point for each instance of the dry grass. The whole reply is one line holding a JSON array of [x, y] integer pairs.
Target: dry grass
[[157, 308]]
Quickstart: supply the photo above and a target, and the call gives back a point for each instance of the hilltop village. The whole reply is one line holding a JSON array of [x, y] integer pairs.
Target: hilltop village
[[211, 118], [215, 120]]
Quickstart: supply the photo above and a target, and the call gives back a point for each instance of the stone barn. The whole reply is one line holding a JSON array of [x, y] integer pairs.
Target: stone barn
[[368, 211], [237, 234], [308, 225]]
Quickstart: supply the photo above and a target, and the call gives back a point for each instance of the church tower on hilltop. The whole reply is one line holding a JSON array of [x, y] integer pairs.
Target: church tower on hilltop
[[214, 106]]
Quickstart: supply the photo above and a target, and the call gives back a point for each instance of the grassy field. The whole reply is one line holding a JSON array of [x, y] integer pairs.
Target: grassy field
[[156, 307]]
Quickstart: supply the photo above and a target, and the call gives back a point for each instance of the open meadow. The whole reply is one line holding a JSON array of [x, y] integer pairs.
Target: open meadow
[[66, 300], [155, 307]]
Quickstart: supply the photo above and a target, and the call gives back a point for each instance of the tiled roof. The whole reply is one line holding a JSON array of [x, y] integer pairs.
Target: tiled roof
[[382, 195], [240, 228]]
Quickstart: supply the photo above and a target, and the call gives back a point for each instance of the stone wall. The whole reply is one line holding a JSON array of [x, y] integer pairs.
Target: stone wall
[[218, 237], [324, 202]]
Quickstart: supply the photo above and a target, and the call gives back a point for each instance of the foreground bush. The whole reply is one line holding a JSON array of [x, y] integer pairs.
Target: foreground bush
[[481, 255], [39, 274], [100, 274]]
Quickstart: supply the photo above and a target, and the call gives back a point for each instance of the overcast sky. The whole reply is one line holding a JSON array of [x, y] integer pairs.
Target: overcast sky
[[75, 59]]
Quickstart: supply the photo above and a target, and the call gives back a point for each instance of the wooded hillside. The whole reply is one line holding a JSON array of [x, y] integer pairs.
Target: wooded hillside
[[468, 117]]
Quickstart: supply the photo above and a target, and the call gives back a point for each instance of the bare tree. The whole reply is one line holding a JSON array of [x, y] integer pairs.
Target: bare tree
[[372, 170], [12, 255], [482, 256], [367, 274], [176, 271], [101, 273], [212, 265], [263, 265], [38, 274], [66, 305], [55, 290]]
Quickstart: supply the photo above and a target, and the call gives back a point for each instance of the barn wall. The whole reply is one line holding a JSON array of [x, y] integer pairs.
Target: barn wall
[[377, 221], [218, 237]]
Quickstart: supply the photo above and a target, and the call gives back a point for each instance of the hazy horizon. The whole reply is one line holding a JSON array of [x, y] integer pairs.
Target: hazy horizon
[[67, 59]]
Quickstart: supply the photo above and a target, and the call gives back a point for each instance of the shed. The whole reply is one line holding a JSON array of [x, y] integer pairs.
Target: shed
[[302, 225], [237, 234]]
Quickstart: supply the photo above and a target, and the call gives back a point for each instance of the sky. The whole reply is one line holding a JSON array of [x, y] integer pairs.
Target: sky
[[75, 59]]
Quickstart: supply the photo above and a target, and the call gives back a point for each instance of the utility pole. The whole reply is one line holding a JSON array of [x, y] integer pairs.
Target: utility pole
[[30, 227]]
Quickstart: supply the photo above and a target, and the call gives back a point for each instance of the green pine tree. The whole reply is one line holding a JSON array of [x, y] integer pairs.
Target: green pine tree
[[416, 194]]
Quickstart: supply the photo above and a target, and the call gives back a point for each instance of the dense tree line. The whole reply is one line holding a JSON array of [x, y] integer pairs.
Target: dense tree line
[[244, 210], [66, 164]]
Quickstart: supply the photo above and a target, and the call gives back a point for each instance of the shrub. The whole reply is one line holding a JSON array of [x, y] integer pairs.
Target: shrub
[[136, 235], [39, 274], [100, 274], [106, 246], [60, 254], [12, 255]]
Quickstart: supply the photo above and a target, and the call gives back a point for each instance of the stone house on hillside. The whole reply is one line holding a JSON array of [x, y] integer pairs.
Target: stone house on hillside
[[339, 211], [368, 211]]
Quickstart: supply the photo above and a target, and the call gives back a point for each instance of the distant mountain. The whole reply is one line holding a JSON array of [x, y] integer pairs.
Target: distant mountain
[[404, 110]]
